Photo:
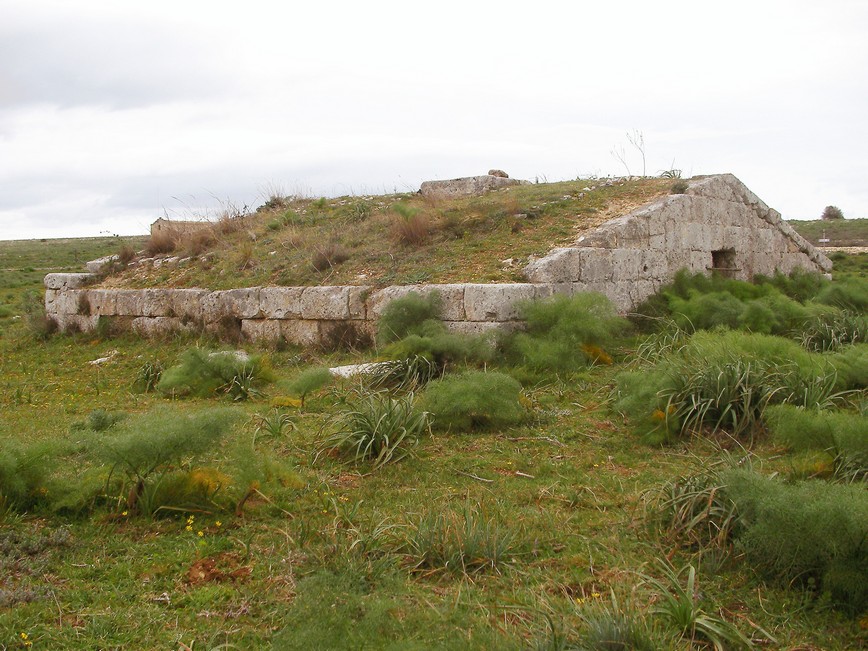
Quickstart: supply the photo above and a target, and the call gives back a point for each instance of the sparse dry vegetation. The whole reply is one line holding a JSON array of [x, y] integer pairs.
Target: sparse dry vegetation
[[351, 240]]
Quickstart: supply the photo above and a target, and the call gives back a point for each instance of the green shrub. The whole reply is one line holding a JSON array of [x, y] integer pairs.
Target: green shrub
[[204, 373], [833, 330], [410, 328], [800, 285], [473, 400], [848, 294], [694, 510], [809, 533], [769, 305], [565, 333], [851, 365], [380, 428], [38, 323], [705, 311], [440, 347], [146, 449], [308, 381], [723, 380], [23, 475], [148, 376], [99, 420], [407, 374], [843, 435], [407, 316]]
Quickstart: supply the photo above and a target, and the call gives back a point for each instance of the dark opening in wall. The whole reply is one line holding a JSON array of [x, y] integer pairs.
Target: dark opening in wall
[[723, 262]]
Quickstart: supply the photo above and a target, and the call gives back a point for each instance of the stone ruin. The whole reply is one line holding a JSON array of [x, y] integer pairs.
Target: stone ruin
[[468, 185], [717, 224]]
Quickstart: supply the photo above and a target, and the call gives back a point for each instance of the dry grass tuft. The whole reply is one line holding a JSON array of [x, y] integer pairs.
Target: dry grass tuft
[[329, 255], [413, 229]]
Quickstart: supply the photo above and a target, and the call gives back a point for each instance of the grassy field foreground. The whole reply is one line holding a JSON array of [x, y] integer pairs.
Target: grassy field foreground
[[532, 524]]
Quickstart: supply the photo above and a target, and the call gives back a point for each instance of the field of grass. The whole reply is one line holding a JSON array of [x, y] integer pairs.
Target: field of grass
[[24, 263], [839, 232], [523, 536]]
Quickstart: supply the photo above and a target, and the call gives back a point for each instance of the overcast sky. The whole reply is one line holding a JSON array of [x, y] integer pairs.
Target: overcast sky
[[113, 114]]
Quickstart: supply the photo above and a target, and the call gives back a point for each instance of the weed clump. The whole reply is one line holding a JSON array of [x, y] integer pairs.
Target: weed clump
[[723, 380], [381, 428], [308, 381], [410, 227], [565, 333], [474, 400], [148, 376], [204, 373], [464, 542], [842, 435], [23, 474], [809, 534], [147, 450], [411, 328], [409, 315], [99, 420]]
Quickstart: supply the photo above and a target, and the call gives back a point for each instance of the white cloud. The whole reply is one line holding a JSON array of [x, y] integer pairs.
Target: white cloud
[[111, 113]]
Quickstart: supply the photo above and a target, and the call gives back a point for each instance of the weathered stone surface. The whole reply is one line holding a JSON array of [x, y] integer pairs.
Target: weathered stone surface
[[499, 173], [102, 302], [186, 304], [325, 303], [495, 302], [240, 303], [560, 265], [67, 281], [268, 330], [280, 302], [300, 333], [158, 326], [596, 265], [467, 186], [66, 302], [357, 301], [75, 322], [95, 266]]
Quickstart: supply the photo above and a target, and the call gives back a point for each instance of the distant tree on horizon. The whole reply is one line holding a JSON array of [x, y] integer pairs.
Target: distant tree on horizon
[[832, 212]]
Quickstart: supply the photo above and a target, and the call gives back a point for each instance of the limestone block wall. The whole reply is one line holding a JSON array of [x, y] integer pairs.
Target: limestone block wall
[[717, 224], [307, 316]]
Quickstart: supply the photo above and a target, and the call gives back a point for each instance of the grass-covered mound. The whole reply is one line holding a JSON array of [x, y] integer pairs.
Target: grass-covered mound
[[392, 239]]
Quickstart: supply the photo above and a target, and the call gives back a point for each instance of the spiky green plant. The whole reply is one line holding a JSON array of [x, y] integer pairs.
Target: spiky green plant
[[679, 604], [463, 542], [380, 428]]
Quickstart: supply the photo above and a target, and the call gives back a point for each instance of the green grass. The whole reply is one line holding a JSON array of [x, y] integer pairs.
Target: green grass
[[840, 232], [327, 555], [24, 263]]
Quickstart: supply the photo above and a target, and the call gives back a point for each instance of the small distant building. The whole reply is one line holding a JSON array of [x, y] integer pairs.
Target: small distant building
[[175, 227]]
